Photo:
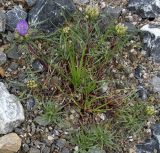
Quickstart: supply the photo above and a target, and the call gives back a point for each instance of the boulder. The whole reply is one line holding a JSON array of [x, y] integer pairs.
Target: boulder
[[10, 143], [11, 111], [47, 15], [145, 8]]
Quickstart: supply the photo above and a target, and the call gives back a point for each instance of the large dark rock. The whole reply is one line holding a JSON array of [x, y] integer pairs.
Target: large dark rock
[[46, 15], [13, 16], [145, 8], [149, 146], [156, 133], [151, 40]]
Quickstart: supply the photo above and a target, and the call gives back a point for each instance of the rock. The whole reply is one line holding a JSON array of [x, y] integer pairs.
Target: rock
[[13, 16], [25, 148], [151, 40], [3, 58], [108, 15], [38, 65], [96, 150], [81, 2], [2, 21], [13, 66], [34, 150], [137, 72], [156, 133], [11, 111], [10, 143], [155, 82], [46, 15], [46, 150], [145, 8], [31, 2], [130, 28], [149, 146], [65, 150], [12, 53], [30, 103], [41, 121], [61, 143], [142, 92]]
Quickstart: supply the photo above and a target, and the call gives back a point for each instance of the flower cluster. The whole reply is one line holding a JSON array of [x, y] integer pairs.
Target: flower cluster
[[66, 29], [92, 12], [150, 110], [31, 84], [121, 29], [22, 27]]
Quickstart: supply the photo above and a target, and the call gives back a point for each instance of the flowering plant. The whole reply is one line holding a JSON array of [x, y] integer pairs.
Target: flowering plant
[[22, 27]]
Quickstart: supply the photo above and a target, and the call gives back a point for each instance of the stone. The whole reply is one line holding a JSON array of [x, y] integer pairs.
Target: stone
[[142, 92], [13, 53], [108, 16], [151, 40], [130, 28], [95, 150], [38, 65], [25, 148], [46, 150], [31, 2], [155, 82], [137, 72], [81, 2], [10, 143], [30, 103], [34, 150], [47, 15], [2, 21], [11, 111], [65, 150], [61, 143], [149, 146], [41, 121], [13, 16], [145, 8], [156, 133], [3, 58]]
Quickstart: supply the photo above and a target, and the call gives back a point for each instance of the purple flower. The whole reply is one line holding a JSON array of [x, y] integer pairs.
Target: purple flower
[[22, 27]]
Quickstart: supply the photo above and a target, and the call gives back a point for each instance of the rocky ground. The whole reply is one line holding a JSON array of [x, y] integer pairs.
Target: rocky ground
[[28, 79]]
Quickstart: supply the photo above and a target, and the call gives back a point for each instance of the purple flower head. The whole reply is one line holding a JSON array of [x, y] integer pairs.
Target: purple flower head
[[22, 27]]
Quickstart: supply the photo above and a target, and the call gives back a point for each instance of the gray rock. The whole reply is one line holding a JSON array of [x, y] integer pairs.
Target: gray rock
[[142, 92], [130, 27], [34, 150], [96, 150], [81, 2], [156, 133], [13, 16], [31, 2], [41, 121], [2, 21], [13, 53], [108, 16], [155, 82], [11, 111], [46, 150], [145, 8], [149, 146], [30, 104], [3, 58], [25, 148], [65, 150], [151, 40], [61, 143], [38, 65], [46, 15]]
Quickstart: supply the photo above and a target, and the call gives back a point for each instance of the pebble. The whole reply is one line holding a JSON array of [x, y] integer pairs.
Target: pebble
[[31, 2], [38, 66], [12, 53], [34, 150], [2, 21], [61, 143], [3, 58], [30, 103], [41, 121]]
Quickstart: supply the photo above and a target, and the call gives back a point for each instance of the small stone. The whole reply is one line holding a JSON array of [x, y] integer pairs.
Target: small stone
[[61, 143], [95, 150], [25, 148], [2, 21], [156, 133], [46, 150], [65, 150], [142, 93], [38, 65], [10, 143], [41, 121], [13, 16], [34, 150], [12, 53], [3, 58], [30, 103], [11, 111], [81, 2], [31, 2], [13, 66], [155, 82], [130, 27], [50, 138]]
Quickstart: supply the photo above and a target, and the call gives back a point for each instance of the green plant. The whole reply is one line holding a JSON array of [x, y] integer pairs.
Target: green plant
[[95, 135], [132, 117], [52, 113]]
